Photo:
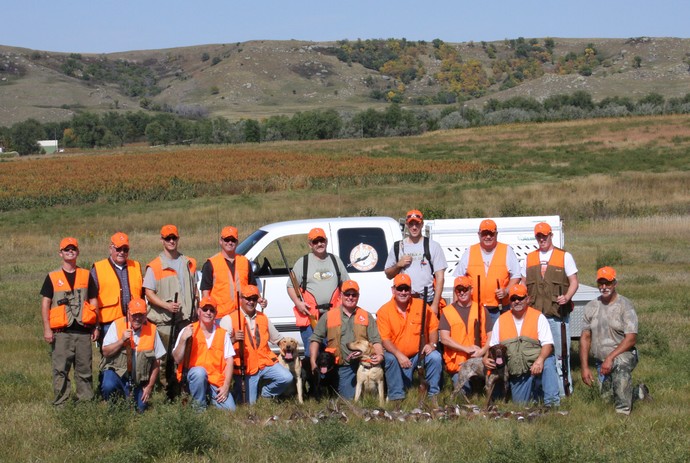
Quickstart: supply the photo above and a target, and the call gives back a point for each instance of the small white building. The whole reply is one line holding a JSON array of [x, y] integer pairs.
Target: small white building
[[49, 146]]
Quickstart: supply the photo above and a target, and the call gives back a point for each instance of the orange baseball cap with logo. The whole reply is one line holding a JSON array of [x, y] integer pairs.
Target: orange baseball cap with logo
[[250, 291], [402, 279], [518, 290], [606, 273], [208, 300], [229, 232], [137, 306], [462, 280], [349, 285], [542, 228], [168, 230], [315, 233], [415, 215], [119, 239], [487, 225], [69, 241]]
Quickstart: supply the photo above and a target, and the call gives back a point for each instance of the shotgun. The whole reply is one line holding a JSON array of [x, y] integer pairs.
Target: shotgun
[[130, 359], [421, 370], [480, 312], [295, 283], [170, 376], [565, 346], [186, 359], [500, 301], [241, 349]]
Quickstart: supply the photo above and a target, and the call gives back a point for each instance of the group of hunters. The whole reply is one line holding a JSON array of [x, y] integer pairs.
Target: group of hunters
[[154, 326]]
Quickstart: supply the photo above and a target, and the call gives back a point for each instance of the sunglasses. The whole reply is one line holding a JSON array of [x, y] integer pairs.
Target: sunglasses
[[69, 249], [351, 294], [124, 249], [250, 299], [462, 289], [487, 233], [208, 308], [403, 288], [517, 299], [230, 239], [605, 283], [170, 238], [318, 241]]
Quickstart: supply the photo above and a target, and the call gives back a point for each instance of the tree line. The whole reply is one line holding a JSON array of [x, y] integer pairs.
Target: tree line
[[113, 129]]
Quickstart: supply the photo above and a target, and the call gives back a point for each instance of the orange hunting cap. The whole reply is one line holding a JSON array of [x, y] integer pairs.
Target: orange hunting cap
[[168, 230], [518, 290], [69, 241], [402, 279], [348, 285], [136, 306], [208, 300], [250, 290], [542, 228], [487, 225], [315, 233], [229, 232], [462, 280], [606, 273], [119, 239], [414, 215]]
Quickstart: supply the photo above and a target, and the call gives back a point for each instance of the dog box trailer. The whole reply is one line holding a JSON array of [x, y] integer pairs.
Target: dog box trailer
[[363, 244]]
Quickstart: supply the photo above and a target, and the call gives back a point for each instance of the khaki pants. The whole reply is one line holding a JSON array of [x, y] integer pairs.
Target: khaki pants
[[72, 349]]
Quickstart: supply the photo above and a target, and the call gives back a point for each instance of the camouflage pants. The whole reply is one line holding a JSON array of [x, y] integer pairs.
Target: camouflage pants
[[617, 385]]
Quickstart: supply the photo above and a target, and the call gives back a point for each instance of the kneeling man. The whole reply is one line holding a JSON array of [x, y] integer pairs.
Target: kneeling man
[[531, 364]]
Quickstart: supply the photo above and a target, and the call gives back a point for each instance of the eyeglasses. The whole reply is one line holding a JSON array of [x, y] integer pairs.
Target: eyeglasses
[[517, 299], [414, 216], [541, 236], [208, 308], [122, 249], [487, 233], [250, 299], [170, 238], [462, 289], [605, 282], [351, 294], [230, 239], [403, 288], [69, 249], [318, 241]]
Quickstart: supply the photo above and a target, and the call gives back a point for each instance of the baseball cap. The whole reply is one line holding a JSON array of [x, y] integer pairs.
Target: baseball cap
[[136, 306], [414, 215], [119, 239], [462, 280], [542, 228], [606, 273], [487, 225], [168, 230], [69, 241], [208, 300], [316, 233], [229, 232], [348, 285], [250, 290], [402, 279], [518, 290]]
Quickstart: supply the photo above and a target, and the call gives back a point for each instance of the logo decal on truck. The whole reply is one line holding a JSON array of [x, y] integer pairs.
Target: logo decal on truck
[[363, 257]]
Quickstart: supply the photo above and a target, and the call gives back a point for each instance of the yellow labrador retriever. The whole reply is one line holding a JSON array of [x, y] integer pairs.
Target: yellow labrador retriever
[[369, 376], [289, 358]]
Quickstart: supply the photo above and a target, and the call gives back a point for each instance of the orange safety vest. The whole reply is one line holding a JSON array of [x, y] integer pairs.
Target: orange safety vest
[[213, 359], [462, 334], [544, 290], [225, 285], [167, 284], [334, 333], [109, 288], [78, 307], [143, 352], [255, 357], [310, 300], [497, 271]]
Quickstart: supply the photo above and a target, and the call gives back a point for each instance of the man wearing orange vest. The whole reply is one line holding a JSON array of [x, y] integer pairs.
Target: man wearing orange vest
[[118, 279], [495, 264], [170, 287], [320, 274], [457, 330], [531, 363], [551, 278], [203, 352], [399, 323], [256, 331], [224, 274], [132, 350], [340, 326], [69, 312]]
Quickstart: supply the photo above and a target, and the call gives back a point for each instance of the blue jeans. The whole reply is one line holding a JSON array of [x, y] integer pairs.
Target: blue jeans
[[200, 389], [347, 380], [555, 325], [279, 379], [398, 379], [305, 333], [525, 388], [113, 385]]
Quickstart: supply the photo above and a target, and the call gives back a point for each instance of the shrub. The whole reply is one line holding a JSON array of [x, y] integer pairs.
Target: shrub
[[609, 257]]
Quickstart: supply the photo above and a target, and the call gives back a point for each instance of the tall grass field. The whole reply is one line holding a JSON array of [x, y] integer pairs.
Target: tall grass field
[[620, 185]]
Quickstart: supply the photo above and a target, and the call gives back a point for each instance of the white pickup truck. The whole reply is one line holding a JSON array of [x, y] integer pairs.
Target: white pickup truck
[[363, 244]]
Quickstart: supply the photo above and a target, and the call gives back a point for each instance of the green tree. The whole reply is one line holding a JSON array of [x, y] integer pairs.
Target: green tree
[[252, 131], [637, 62], [25, 135]]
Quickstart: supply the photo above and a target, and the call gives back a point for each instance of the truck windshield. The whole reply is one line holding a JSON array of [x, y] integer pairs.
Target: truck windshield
[[250, 241]]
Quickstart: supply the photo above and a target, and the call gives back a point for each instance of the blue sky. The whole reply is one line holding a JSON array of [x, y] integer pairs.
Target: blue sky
[[103, 26]]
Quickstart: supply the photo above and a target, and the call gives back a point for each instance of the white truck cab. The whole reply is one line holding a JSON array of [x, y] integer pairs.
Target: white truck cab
[[363, 244]]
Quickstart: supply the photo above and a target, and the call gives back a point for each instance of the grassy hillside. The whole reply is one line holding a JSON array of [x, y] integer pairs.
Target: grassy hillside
[[263, 78], [621, 186]]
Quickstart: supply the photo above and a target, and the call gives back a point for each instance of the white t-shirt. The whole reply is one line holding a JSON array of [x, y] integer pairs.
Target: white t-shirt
[[544, 257], [543, 330], [111, 338]]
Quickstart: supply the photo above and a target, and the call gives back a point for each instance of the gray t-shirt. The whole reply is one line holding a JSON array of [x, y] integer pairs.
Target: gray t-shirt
[[609, 324], [322, 278], [175, 264], [419, 270]]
